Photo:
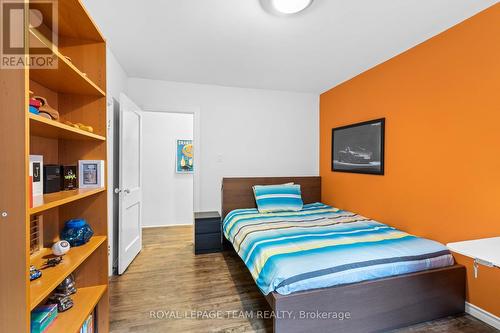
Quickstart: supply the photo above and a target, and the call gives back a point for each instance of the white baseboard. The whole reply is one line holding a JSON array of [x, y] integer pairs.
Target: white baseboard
[[482, 315]]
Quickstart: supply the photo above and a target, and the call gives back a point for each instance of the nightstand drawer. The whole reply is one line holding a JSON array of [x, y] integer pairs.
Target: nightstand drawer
[[207, 226], [205, 243]]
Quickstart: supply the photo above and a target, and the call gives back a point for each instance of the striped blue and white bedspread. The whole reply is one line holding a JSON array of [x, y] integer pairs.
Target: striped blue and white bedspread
[[321, 246]]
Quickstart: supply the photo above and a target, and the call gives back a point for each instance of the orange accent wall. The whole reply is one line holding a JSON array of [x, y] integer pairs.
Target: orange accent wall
[[441, 101]]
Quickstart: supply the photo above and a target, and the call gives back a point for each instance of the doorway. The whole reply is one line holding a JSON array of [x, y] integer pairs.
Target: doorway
[[168, 196], [168, 169]]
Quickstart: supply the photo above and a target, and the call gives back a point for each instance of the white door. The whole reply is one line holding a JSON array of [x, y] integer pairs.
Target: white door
[[130, 190]]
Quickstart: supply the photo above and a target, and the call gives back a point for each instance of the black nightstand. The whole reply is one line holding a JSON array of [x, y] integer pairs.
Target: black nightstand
[[207, 232]]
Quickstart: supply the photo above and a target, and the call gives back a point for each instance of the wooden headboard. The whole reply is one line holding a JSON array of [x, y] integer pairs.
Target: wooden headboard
[[237, 193]]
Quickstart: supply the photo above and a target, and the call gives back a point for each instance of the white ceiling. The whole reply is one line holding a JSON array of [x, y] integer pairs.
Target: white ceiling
[[236, 43]]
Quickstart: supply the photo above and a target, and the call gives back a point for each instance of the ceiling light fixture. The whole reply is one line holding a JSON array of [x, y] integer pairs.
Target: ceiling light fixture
[[287, 7]]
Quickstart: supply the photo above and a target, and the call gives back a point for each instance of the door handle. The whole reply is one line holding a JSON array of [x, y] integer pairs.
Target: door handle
[[117, 191], [127, 191]]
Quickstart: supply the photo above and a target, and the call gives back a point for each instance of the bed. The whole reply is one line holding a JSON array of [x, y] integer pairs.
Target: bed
[[325, 270]]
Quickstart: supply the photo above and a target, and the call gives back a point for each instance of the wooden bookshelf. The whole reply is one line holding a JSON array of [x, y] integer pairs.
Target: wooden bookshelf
[[76, 88], [52, 277], [85, 301]]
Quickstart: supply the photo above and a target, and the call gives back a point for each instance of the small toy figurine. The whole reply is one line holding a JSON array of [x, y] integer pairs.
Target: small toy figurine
[[34, 273], [62, 301], [67, 287], [52, 262]]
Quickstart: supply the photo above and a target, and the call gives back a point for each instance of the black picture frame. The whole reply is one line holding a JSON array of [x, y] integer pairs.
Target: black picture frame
[[370, 162]]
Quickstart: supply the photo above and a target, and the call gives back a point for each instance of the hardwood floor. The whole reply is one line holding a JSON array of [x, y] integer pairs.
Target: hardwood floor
[[169, 289]]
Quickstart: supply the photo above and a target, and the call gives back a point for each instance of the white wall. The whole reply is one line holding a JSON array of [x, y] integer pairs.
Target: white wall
[[167, 196], [243, 132], [116, 75]]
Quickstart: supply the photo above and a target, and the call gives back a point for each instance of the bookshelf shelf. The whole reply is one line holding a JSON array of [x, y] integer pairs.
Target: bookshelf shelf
[[66, 78], [51, 277], [52, 200], [73, 20], [84, 302], [47, 128]]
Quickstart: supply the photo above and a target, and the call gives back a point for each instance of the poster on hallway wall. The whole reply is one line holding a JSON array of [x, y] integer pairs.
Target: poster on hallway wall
[[184, 160]]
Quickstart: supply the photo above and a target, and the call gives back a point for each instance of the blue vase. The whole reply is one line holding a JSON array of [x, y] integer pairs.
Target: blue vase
[[77, 232]]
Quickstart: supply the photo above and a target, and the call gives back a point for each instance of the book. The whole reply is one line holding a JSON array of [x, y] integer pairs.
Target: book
[[88, 325], [42, 317], [30, 190], [69, 177], [36, 171]]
